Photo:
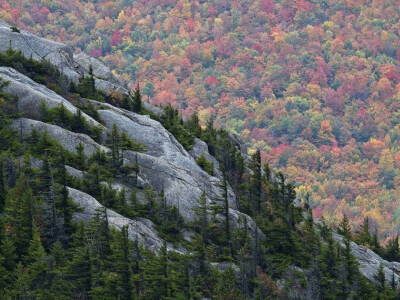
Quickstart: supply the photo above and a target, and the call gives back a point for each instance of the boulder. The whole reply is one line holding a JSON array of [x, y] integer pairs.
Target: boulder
[[75, 172]]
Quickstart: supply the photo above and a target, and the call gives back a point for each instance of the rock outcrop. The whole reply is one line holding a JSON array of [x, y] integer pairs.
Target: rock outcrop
[[67, 139], [370, 261], [200, 148], [31, 94], [61, 56], [166, 166], [141, 229]]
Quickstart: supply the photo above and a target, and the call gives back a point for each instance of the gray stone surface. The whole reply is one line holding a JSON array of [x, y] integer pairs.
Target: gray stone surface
[[157, 110], [67, 139], [30, 95], [199, 148], [370, 261], [166, 164], [100, 69], [159, 141], [182, 187], [140, 228], [75, 172], [60, 55]]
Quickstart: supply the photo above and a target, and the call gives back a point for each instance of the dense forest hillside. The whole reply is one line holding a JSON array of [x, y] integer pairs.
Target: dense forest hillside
[[313, 84], [105, 196]]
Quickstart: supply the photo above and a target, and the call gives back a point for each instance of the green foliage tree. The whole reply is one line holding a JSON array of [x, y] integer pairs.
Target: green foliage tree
[[344, 227], [205, 164], [137, 100]]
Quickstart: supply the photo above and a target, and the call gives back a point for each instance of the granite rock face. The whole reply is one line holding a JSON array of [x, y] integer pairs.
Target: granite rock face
[[370, 261], [59, 55], [140, 229], [67, 139], [167, 165], [31, 94], [200, 148], [99, 68]]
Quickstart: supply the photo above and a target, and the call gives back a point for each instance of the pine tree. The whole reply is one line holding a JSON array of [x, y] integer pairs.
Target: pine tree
[[92, 180], [116, 151], [92, 82], [19, 212], [156, 275], [34, 277], [2, 187], [344, 227], [221, 206], [78, 122], [193, 125], [64, 203], [8, 259], [201, 226], [122, 258], [80, 157], [380, 278], [52, 226], [80, 267], [256, 186], [136, 269], [363, 236], [350, 262], [137, 100]]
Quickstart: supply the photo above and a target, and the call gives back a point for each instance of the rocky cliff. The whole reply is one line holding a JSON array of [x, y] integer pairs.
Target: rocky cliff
[[166, 166]]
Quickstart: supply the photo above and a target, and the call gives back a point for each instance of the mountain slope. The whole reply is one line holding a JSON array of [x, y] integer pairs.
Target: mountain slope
[[130, 171], [313, 84]]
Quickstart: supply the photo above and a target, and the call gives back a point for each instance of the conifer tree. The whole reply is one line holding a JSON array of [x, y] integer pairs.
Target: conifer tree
[[8, 258], [78, 122], [34, 277], [256, 187], [91, 80], [136, 269], [65, 205], [137, 100], [52, 227], [350, 262], [121, 256], [80, 157], [380, 278], [20, 214], [221, 206], [80, 267], [2, 187], [201, 226], [363, 236], [193, 125], [344, 227], [116, 151]]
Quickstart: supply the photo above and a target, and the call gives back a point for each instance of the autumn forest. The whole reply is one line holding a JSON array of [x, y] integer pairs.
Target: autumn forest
[[314, 85]]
